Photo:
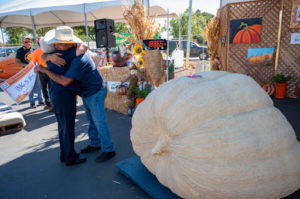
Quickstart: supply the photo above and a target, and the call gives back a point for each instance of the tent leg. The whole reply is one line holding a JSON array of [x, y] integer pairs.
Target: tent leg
[[3, 42], [167, 44], [278, 38], [189, 37], [34, 30], [86, 27]]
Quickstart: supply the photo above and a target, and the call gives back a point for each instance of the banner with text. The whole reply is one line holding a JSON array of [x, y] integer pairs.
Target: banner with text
[[21, 84]]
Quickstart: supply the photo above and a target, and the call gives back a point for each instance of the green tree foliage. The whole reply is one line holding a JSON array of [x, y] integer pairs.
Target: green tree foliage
[[122, 27], [15, 34], [198, 22]]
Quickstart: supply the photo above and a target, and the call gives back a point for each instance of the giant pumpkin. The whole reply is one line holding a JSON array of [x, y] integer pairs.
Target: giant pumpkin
[[249, 34], [8, 68], [218, 137]]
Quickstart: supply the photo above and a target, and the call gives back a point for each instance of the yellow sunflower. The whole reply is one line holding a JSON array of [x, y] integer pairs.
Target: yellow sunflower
[[138, 50], [140, 62]]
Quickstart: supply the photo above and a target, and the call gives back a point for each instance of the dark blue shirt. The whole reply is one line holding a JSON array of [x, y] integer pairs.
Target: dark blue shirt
[[84, 70], [67, 55]]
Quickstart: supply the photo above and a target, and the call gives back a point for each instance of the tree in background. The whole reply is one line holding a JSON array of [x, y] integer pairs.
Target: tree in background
[[15, 34], [198, 22]]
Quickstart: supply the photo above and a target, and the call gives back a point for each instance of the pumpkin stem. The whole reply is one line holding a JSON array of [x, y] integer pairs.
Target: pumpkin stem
[[162, 142], [243, 25]]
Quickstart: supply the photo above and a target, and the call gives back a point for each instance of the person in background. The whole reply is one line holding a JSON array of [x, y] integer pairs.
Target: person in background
[[23, 57], [44, 79]]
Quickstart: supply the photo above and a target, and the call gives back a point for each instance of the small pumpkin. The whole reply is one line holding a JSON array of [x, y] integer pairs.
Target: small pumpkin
[[269, 56], [217, 136], [262, 57], [252, 59], [249, 34], [122, 90]]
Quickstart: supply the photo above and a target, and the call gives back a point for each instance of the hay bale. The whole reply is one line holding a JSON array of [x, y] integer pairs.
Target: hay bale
[[113, 101]]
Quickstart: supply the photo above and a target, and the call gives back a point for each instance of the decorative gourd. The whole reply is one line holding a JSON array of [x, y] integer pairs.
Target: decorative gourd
[[8, 68], [252, 59], [219, 137], [269, 88], [262, 58], [249, 34], [121, 90]]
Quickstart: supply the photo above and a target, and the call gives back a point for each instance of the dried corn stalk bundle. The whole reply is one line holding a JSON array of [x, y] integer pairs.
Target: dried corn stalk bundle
[[141, 26], [155, 67], [212, 35]]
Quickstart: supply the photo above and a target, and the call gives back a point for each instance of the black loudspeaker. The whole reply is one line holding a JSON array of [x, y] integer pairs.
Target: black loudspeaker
[[104, 30]]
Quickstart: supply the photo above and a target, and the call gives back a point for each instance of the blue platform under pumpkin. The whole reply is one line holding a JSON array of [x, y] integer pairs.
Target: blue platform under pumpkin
[[138, 173]]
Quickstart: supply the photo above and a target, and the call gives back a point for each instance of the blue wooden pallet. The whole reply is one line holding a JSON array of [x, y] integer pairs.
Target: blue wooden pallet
[[133, 169]]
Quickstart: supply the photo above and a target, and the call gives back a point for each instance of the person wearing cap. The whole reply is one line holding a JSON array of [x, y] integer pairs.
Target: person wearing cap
[[63, 99], [83, 71], [23, 58], [44, 79]]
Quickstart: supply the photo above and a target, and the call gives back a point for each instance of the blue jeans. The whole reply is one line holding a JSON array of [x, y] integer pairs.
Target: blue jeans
[[36, 88], [98, 130]]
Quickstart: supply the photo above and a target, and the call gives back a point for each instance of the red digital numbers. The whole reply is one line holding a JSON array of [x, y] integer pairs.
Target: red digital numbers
[[156, 44]]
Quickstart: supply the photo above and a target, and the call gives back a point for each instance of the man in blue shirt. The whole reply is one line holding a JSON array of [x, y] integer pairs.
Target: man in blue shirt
[[84, 72], [63, 99]]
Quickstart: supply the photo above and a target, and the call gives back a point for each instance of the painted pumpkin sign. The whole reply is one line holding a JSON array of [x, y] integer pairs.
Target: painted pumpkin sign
[[245, 30], [260, 56]]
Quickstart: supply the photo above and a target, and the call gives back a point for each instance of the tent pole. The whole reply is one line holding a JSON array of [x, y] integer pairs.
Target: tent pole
[[279, 38], [148, 5], [3, 42], [189, 36], [86, 27], [168, 44], [34, 29]]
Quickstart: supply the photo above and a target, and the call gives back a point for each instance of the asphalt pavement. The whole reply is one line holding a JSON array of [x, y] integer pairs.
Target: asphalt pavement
[[30, 166]]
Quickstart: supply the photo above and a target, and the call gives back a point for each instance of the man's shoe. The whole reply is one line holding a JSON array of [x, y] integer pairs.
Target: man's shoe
[[32, 106], [41, 104], [105, 156], [89, 149], [76, 161], [49, 108]]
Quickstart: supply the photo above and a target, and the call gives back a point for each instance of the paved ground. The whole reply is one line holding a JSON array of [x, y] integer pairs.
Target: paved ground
[[30, 168]]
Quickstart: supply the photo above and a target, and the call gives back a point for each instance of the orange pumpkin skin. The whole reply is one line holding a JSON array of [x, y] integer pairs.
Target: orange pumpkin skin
[[249, 34], [8, 68]]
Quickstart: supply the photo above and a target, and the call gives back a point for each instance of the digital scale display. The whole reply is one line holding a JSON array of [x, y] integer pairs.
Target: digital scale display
[[153, 44]]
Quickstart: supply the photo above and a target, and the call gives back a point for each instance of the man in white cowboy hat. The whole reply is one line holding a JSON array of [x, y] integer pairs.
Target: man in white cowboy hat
[[63, 99], [84, 72]]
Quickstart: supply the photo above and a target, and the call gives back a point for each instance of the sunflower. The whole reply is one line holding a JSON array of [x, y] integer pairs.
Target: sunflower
[[138, 50], [140, 62]]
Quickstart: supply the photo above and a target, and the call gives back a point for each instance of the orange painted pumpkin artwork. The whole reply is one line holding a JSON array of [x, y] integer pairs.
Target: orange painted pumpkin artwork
[[248, 34], [252, 59], [269, 56], [262, 57]]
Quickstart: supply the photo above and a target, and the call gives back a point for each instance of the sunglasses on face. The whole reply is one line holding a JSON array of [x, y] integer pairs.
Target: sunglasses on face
[[26, 42]]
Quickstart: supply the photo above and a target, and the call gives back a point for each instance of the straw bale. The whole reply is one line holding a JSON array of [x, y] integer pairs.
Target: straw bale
[[113, 101], [119, 103], [114, 73]]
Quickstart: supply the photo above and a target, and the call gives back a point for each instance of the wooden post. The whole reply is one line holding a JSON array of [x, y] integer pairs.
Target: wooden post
[[279, 37]]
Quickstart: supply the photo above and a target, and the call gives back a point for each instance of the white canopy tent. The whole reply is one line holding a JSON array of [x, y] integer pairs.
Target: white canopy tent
[[225, 2], [36, 14]]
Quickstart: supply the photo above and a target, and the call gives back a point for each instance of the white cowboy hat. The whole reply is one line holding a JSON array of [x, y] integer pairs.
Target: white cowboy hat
[[62, 34]]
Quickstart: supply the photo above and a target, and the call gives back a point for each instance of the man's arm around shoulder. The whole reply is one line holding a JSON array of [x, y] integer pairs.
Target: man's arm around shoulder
[[60, 79]]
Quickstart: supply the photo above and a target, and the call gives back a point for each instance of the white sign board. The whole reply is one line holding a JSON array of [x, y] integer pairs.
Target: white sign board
[[295, 38], [112, 86], [21, 84]]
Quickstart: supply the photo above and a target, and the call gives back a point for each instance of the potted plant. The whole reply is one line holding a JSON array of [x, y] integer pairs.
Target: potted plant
[[281, 84], [140, 95]]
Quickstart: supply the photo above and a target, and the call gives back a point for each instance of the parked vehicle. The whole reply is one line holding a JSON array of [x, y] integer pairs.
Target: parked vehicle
[[7, 51], [195, 49]]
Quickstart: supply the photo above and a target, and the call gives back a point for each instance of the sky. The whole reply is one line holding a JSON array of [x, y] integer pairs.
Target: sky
[[179, 6]]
